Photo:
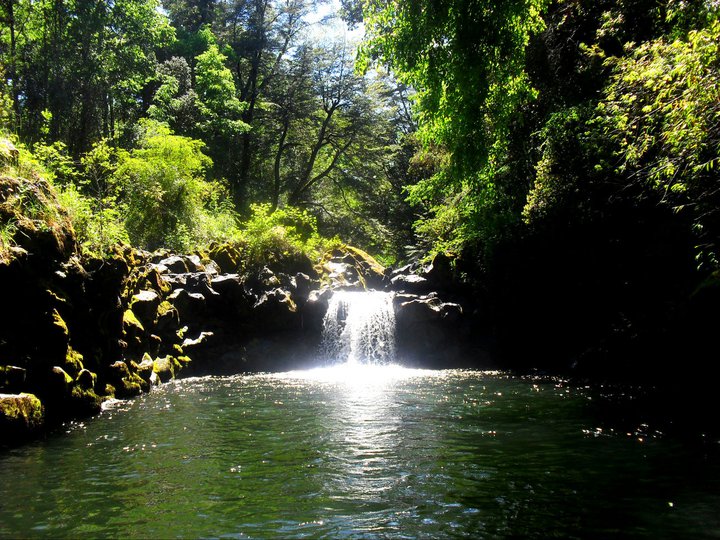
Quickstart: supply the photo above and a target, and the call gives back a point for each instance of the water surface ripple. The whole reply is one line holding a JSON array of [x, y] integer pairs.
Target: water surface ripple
[[379, 452]]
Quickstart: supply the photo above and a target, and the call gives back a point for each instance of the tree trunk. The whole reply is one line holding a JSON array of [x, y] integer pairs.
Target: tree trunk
[[278, 160]]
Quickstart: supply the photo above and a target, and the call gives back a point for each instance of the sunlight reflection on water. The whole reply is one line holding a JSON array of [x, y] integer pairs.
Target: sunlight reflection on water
[[357, 451], [359, 375]]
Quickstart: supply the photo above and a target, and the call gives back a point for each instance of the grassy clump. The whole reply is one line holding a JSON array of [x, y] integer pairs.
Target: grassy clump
[[31, 216]]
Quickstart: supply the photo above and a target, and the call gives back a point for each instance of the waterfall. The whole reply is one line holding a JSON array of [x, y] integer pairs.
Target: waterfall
[[359, 328]]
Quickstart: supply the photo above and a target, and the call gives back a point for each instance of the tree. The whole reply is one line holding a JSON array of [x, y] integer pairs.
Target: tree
[[662, 111], [78, 68], [168, 202], [466, 60]]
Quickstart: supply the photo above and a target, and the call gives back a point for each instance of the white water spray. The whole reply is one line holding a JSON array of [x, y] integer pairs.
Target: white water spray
[[359, 328]]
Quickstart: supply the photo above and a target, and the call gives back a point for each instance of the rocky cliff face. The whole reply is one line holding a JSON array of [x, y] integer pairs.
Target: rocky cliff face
[[76, 330]]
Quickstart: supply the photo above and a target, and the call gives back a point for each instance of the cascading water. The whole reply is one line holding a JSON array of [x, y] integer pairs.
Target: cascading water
[[359, 328]]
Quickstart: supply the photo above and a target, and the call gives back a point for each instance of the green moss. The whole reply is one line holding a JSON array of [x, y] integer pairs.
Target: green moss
[[131, 322], [59, 323], [20, 414], [184, 360], [164, 308], [226, 256], [73, 362], [84, 402], [86, 379], [166, 368]]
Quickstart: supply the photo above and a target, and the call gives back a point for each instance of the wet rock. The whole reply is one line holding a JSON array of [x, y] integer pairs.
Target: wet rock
[[348, 267], [428, 329], [125, 383], [168, 320], [202, 338], [166, 368], [276, 310], [315, 308], [119, 370], [146, 371], [302, 286], [58, 383], [73, 362], [341, 275], [409, 283], [84, 402]]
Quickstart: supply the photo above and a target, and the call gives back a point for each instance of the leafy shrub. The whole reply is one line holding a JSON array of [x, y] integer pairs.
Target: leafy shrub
[[97, 229], [168, 204], [269, 236]]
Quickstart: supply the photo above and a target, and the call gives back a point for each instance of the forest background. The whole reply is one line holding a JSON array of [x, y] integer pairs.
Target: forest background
[[565, 153]]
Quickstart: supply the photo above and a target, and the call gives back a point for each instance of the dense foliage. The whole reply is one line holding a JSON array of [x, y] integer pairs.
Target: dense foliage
[[565, 151], [571, 153], [244, 105]]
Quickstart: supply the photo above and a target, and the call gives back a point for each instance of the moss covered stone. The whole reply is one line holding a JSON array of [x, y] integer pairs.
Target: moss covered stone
[[21, 416], [226, 256], [84, 402], [73, 362], [131, 324], [167, 368], [145, 305], [168, 320], [146, 371], [59, 383]]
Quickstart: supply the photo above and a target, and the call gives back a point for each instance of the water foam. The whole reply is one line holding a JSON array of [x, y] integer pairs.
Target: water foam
[[359, 328]]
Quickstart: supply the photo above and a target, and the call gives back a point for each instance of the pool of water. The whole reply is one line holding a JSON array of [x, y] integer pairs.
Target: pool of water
[[359, 453]]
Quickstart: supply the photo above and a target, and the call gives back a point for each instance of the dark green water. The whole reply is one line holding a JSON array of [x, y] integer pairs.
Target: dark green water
[[382, 453]]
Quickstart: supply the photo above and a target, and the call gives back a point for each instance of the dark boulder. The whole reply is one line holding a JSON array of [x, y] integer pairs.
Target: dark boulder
[[12, 378], [428, 331], [190, 306], [144, 306]]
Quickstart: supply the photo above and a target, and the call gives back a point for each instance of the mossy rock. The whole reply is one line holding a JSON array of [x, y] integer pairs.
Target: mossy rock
[[59, 329], [226, 256], [144, 305], [42, 227], [73, 362], [146, 371], [184, 360], [350, 266], [84, 402], [131, 325], [167, 368], [129, 386], [153, 280], [168, 318], [21, 416], [109, 391]]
